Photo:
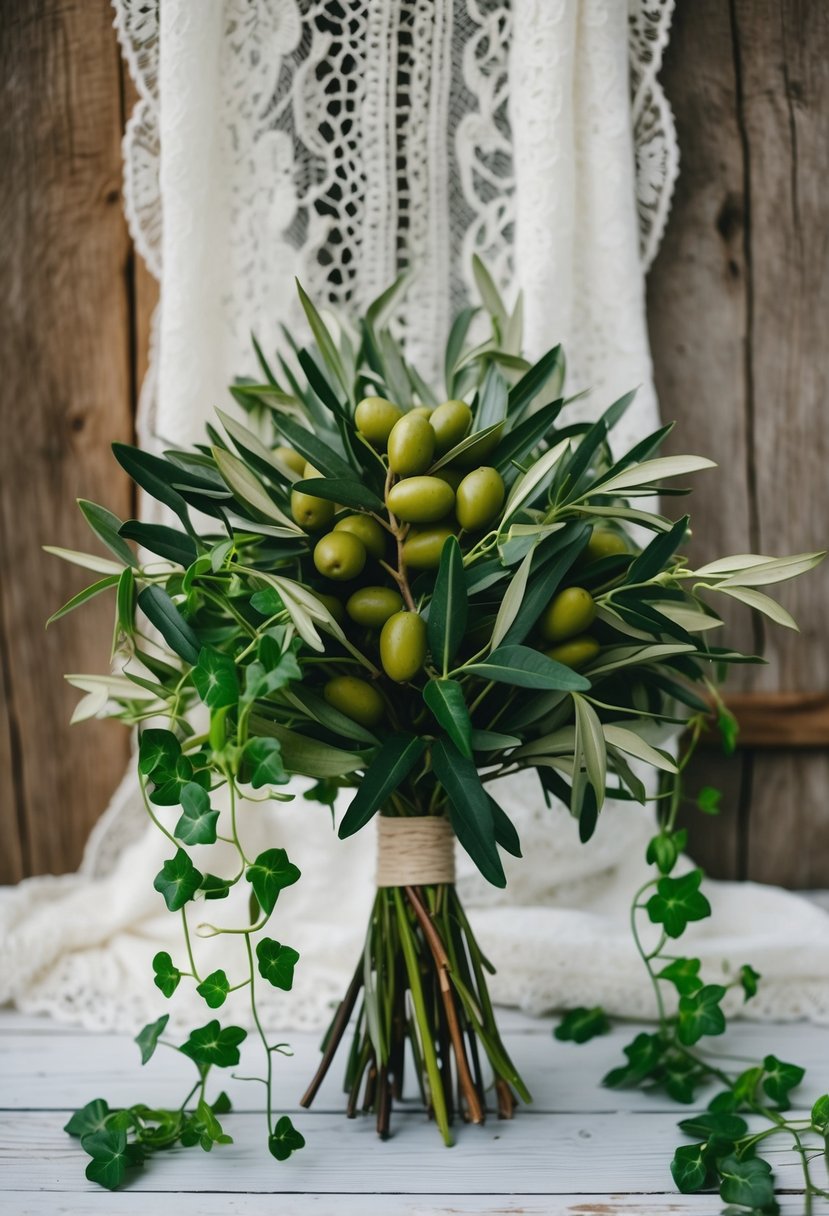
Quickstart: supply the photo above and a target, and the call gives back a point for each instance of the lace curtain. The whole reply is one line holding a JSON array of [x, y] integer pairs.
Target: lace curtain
[[338, 141]]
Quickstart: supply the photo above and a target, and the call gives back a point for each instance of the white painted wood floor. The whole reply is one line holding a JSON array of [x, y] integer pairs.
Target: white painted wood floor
[[580, 1149]]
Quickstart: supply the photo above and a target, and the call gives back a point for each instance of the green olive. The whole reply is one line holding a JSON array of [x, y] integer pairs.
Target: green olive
[[311, 512], [420, 500], [411, 445], [372, 606], [480, 498], [575, 653], [421, 550], [367, 529], [403, 646], [425, 411], [478, 451], [568, 613], [604, 543], [292, 459], [452, 477], [334, 606], [450, 422], [310, 470], [340, 556], [355, 698], [375, 417]]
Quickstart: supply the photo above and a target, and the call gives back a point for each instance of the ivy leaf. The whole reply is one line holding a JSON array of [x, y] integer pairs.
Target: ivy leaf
[[197, 824], [213, 1044], [581, 1025], [147, 1039], [90, 1118], [214, 677], [700, 1014], [714, 1123], [169, 785], [664, 849], [215, 887], [645, 1054], [820, 1114], [285, 1139], [678, 901], [744, 1088], [446, 701], [158, 751], [271, 873], [689, 1168], [683, 973], [779, 1079], [167, 975], [729, 729], [208, 1127], [214, 988], [265, 758], [749, 980], [708, 800], [108, 1150], [178, 880], [276, 963], [747, 1181]]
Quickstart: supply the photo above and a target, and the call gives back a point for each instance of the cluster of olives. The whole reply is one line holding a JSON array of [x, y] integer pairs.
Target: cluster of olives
[[431, 504]]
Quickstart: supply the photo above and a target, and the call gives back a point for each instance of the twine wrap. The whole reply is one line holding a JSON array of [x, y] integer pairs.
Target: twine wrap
[[414, 852]]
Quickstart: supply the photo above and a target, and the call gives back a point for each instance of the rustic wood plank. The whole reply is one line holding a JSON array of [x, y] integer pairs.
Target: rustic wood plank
[[65, 395], [697, 321], [534, 1155], [779, 720], [784, 112]]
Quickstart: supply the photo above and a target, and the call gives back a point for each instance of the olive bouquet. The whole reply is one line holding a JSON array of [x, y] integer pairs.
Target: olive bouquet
[[413, 594]]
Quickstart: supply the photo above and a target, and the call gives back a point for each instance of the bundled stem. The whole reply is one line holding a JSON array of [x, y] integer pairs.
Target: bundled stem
[[424, 994]]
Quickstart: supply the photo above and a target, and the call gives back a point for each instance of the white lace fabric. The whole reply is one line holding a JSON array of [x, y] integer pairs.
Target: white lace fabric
[[339, 143]]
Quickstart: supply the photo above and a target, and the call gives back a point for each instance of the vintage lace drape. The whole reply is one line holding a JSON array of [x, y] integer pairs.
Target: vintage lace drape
[[339, 142]]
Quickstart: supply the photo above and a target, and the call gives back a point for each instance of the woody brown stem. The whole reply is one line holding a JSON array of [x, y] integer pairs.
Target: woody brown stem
[[470, 1093], [337, 1031]]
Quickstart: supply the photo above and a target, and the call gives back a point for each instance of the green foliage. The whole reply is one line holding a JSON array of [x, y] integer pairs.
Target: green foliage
[[271, 873], [285, 1139], [276, 963], [581, 1025]]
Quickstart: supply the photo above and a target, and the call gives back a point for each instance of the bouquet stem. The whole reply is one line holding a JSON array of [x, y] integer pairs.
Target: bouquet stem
[[420, 993]]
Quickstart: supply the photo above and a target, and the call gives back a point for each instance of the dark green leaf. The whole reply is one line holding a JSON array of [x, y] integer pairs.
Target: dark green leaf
[[448, 608], [678, 901], [819, 1116], [700, 1014], [446, 701], [683, 973], [197, 824], [779, 1079], [552, 561], [212, 1044], [177, 633], [178, 881], [470, 810], [214, 988], [523, 667], [748, 1181], [167, 542], [749, 981], [520, 441], [454, 346], [392, 763], [523, 393], [108, 1150], [708, 800], [265, 758], [689, 1168], [285, 1139], [167, 975], [215, 887], [492, 400], [724, 1125], [276, 963], [645, 1054], [106, 527], [350, 493], [147, 1039], [581, 1025], [505, 832], [271, 873], [313, 449], [154, 475], [214, 677], [664, 849], [90, 1118], [656, 556]]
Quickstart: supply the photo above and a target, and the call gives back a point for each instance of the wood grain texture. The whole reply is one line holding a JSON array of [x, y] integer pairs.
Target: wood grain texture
[[65, 395], [738, 306], [779, 720]]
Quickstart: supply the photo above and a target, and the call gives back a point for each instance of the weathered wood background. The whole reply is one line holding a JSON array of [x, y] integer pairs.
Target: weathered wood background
[[738, 312]]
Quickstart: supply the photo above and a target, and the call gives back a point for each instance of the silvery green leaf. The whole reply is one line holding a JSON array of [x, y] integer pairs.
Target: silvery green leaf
[[694, 620], [526, 486], [729, 565], [490, 296], [591, 743], [89, 561], [512, 601], [631, 744], [774, 570], [650, 471], [246, 485], [761, 603]]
